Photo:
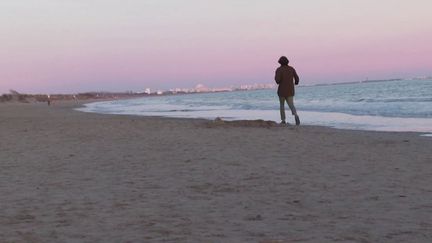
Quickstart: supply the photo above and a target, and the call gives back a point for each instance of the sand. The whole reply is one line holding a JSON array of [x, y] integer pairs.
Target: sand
[[69, 176]]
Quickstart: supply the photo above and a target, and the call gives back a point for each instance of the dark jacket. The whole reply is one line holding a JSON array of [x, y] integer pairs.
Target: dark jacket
[[285, 76]]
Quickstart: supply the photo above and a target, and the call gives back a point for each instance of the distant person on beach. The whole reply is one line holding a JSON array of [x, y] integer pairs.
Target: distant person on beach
[[286, 76], [49, 99]]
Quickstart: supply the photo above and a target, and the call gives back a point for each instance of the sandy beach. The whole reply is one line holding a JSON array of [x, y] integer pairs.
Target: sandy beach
[[70, 176]]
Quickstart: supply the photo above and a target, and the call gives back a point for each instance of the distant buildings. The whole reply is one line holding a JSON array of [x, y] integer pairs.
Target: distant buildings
[[257, 86], [201, 88]]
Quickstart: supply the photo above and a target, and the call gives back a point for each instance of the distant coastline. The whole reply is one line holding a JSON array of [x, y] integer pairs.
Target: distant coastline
[[199, 89], [373, 81], [94, 95]]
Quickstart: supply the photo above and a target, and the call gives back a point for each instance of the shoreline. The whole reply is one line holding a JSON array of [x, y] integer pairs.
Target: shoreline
[[76, 105], [269, 118], [74, 176]]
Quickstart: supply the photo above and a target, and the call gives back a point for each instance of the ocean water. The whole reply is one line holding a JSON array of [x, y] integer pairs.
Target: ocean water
[[404, 105]]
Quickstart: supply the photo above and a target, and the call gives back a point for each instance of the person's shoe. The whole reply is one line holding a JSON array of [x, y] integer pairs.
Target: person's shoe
[[283, 122], [297, 119]]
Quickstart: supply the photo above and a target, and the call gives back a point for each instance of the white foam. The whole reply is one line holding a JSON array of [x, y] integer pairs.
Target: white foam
[[331, 119]]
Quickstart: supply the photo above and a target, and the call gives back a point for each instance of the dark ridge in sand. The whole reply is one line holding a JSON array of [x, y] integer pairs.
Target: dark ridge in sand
[[218, 122]]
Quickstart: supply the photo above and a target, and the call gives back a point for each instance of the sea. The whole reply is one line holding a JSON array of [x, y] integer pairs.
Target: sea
[[396, 106]]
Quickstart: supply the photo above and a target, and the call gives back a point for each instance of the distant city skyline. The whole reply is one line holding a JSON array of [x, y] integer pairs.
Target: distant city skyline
[[64, 46]]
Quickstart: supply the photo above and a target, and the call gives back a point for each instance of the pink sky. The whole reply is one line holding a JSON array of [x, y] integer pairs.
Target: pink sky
[[68, 46]]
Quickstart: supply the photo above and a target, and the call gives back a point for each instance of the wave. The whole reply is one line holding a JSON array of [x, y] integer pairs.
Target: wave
[[392, 100]]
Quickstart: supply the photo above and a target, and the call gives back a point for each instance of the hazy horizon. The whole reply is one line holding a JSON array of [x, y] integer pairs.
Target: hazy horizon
[[67, 46]]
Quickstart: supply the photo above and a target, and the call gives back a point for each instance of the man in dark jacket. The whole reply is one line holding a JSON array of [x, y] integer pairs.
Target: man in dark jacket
[[285, 78]]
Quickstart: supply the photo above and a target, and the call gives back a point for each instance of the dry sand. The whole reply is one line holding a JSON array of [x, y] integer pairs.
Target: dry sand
[[68, 176]]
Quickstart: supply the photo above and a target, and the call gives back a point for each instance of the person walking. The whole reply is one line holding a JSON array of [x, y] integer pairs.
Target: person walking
[[286, 76]]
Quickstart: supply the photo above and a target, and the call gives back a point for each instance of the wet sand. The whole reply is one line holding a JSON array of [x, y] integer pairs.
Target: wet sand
[[69, 176]]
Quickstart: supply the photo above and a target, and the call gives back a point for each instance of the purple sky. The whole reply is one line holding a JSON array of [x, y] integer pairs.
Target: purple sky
[[50, 46]]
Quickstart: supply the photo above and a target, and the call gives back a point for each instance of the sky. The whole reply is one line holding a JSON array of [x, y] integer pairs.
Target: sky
[[69, 46]]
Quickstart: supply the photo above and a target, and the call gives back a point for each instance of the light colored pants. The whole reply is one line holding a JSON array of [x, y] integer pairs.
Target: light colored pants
[[290, 101]]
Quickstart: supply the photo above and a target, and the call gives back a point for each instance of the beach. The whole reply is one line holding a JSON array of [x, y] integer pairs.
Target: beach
[[70, 176]]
